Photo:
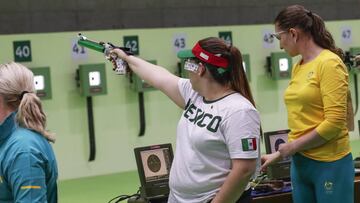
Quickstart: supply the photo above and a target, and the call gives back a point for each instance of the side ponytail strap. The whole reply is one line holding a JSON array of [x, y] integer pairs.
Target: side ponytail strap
[[309, 13], [22, 94]]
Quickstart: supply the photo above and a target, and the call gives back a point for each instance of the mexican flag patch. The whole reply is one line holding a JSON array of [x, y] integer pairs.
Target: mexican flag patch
[[249, 144]]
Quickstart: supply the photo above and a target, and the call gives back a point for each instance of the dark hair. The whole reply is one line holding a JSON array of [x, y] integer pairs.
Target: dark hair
[[311, 23], [234, 75]]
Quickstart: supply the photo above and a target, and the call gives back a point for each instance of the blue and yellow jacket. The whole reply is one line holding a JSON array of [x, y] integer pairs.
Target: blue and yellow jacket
[[28, 169]]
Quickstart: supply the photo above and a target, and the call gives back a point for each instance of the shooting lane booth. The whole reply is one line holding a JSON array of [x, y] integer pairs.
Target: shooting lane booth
[[91, 81]]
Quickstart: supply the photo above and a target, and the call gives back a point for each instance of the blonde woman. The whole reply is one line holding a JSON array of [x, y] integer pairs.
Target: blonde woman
[[28, 169]]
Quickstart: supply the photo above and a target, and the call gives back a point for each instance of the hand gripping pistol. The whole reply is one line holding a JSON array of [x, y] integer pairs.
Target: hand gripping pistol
[[121, 67]]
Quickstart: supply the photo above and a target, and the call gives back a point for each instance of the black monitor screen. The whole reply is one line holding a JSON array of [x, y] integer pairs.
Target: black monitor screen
[[156, 163]]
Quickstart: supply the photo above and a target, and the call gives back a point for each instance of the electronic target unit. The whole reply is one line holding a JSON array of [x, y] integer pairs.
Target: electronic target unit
[[92, 79], [42, 82], [279, 65]]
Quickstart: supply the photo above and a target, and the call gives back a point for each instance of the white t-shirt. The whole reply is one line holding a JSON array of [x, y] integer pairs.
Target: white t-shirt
[[209, 135]]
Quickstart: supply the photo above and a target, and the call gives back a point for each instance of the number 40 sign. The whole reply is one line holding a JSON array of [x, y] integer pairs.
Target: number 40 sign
[[22, 51]]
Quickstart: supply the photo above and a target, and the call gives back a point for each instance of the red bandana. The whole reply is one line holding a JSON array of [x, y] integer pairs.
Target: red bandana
[[208, 57]]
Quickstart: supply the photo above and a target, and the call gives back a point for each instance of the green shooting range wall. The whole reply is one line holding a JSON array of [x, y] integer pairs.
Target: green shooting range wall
[[116, 115]]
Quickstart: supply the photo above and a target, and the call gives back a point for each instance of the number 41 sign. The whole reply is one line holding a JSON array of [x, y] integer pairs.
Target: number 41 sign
[[77, 51], [22, 51]]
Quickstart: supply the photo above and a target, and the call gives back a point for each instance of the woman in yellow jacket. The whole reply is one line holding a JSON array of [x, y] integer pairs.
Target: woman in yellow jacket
[[316, 99]]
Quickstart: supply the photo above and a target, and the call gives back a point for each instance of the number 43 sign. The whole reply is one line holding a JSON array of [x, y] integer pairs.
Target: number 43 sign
[[179, 42], [22, 51]]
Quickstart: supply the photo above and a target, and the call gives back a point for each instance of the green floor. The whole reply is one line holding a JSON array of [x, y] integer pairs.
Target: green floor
[[98, 189]]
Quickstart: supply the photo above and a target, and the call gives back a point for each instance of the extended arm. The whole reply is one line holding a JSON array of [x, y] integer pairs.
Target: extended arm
[[156, 76]]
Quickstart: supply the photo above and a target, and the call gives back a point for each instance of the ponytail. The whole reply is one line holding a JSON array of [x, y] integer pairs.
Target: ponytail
[[238, 79], [311, 23], [323, 37], [31, 115], [234, 76]]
